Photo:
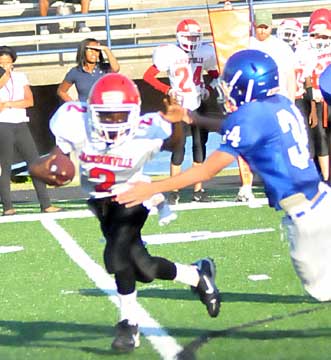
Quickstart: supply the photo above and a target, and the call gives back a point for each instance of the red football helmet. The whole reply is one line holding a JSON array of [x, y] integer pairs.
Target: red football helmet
[[114, 109], [320, 33], [189, 34], [320, 14], [290, 30]]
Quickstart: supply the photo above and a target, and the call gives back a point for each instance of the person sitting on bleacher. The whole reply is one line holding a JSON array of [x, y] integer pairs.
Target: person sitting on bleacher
[[43, 10]]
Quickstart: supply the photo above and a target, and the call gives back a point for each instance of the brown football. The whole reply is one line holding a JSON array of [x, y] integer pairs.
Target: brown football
[[63, 167]]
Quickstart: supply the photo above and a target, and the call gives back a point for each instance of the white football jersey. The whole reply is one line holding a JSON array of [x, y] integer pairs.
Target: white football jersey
[[303, 66], [185, 70], [105, 171], [321, 58]]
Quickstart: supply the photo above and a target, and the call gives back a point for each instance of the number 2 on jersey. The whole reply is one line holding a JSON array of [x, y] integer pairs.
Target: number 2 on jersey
[[104, 177]]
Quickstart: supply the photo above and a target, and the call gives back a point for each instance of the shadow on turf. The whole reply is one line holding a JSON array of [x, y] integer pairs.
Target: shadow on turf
[[183, 294], [38, 334]]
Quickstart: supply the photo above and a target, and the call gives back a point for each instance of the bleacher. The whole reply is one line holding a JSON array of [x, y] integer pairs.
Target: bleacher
[[136, 26]]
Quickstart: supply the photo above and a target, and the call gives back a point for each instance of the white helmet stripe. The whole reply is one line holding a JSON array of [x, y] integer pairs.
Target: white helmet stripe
[[249, 91]]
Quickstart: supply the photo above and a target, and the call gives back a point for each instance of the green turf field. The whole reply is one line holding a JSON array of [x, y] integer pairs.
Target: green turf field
[[57, 302]]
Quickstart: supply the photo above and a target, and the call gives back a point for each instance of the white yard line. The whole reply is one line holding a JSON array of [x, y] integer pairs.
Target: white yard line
[[164, 344], [88, 213]]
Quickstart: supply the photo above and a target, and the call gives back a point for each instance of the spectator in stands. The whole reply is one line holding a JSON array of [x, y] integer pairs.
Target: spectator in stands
[[185, 64], [43, 10], [15, 98], [90, 67]]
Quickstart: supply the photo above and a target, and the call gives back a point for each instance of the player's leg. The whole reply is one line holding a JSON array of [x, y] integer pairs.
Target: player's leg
[[310, 250], [200, 275], [321, 143], [245, 193], [199, 140], [177, 158], [121, 228]]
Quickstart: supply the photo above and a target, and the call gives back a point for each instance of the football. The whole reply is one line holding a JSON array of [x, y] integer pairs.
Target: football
[[63, 168]]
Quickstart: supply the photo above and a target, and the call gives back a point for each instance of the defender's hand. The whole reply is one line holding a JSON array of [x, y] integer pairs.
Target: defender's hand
[[174, 112], [137, 194]]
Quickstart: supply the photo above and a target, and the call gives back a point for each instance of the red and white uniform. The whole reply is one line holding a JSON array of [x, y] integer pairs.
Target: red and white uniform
[[105, 171], [303, 65], [321, 59], [185, 70]]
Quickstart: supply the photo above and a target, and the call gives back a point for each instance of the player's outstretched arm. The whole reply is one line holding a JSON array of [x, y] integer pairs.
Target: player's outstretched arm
[[55, 169], [141, 191]]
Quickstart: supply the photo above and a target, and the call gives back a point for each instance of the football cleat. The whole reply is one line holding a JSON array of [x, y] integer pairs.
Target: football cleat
[[165, 213], [200, 196], [127, 337], [207, 289], [245, 195], [173, 198]]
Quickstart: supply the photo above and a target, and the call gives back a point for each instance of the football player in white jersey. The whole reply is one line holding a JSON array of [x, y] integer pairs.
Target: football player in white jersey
[[113, 142], [320, 51], [290, 30], [185, 64]]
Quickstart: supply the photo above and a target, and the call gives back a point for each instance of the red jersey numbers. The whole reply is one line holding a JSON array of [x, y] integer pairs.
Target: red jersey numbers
[[104, 178], [184, 78]]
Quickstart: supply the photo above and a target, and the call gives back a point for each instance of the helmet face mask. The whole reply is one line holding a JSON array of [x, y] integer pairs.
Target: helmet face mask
[[189, 35], [320, 29], [114, 110], [249, 75], [290, 31]]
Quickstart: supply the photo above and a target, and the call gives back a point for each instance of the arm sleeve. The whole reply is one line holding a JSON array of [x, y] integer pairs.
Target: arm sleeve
[[150, 78]]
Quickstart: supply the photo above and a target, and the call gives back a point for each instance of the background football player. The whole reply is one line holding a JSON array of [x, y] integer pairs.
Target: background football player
[[113, 142], [268, 131], [320, 53], [185, 63]]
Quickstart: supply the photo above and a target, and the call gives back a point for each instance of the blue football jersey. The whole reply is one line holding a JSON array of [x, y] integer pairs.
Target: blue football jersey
[[271, 136]]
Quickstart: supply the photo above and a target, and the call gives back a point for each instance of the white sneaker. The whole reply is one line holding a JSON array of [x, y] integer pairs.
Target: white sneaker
[[83, 28], [245, 194], [44, 30]]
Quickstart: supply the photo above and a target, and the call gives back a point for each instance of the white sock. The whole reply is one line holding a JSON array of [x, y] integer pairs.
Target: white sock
[[187, 274], [128, 307]]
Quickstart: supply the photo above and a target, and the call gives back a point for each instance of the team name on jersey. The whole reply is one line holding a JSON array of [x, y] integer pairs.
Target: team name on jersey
[[194, 60], [107, 159]]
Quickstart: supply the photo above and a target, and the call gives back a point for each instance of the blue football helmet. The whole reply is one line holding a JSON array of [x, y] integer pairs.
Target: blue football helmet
[[325, 84], [249, 75]]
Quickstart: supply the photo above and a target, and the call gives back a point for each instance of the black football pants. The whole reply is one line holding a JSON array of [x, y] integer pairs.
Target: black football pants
[[125, 254]]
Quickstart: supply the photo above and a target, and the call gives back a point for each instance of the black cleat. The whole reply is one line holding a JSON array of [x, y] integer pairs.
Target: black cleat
[[173, 198], [127, 337], [207, 289], [200, 196]]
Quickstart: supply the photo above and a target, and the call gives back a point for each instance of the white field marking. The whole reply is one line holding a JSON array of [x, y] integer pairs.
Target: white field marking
[[9, 249], [88, 213], [198, 236], [164, 344], [258, 277]]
